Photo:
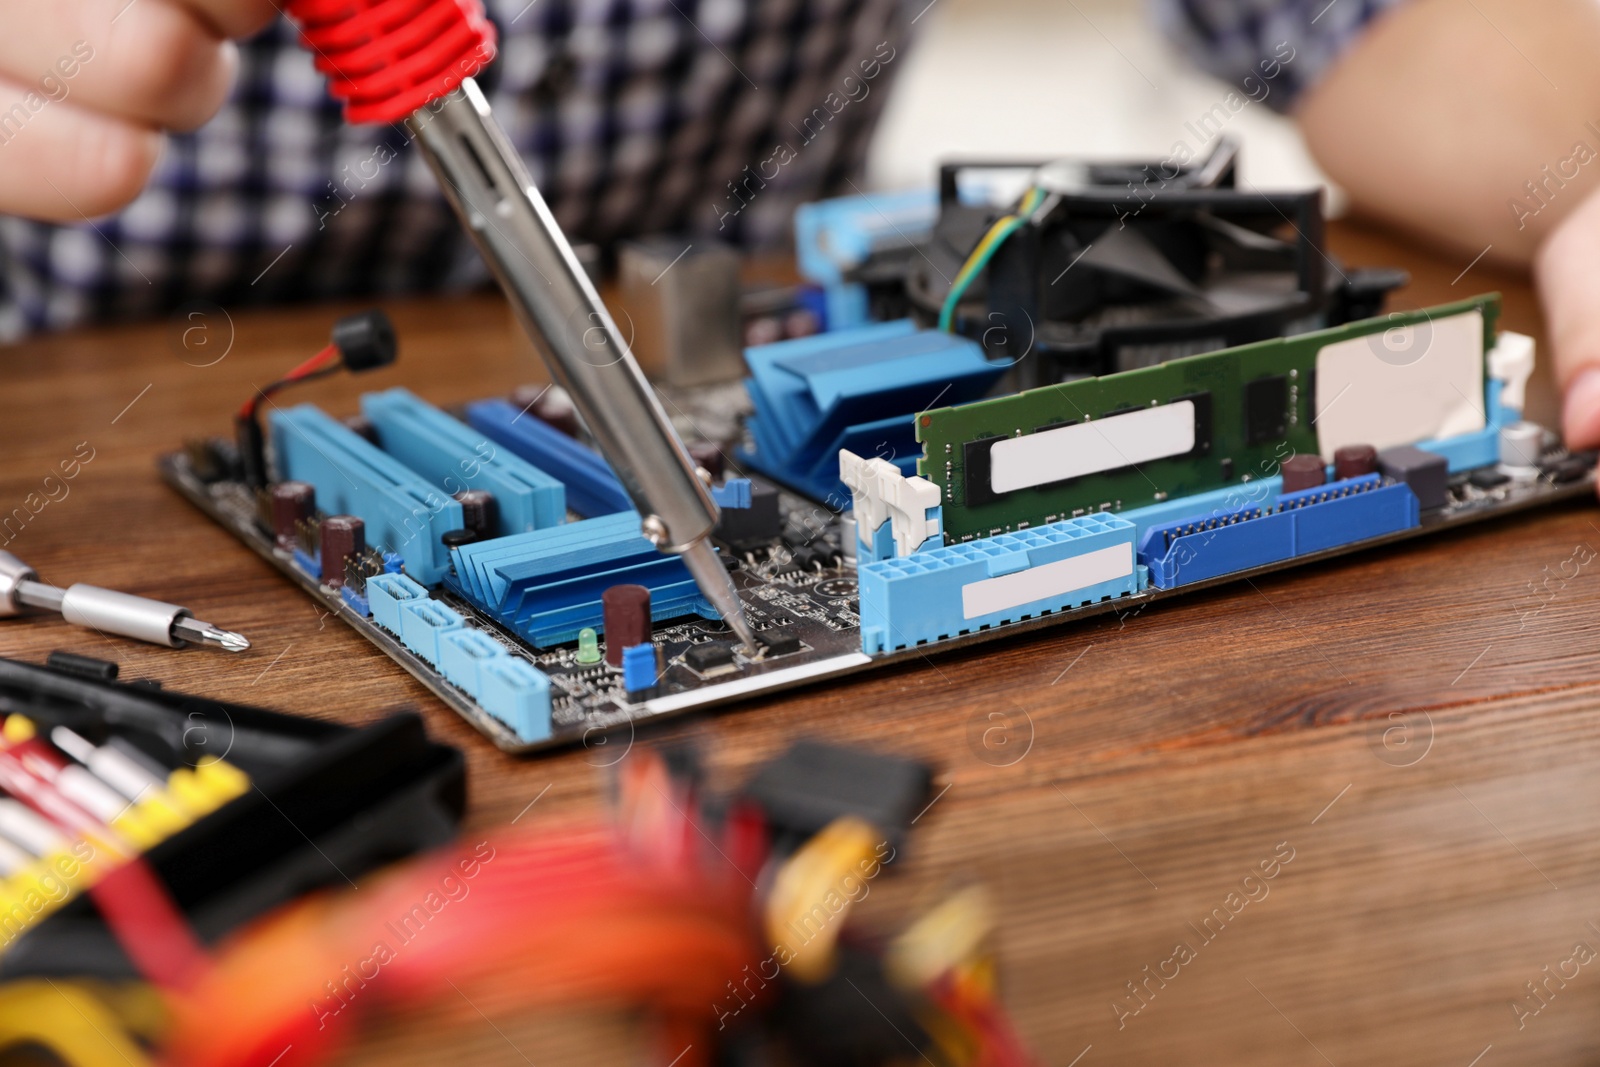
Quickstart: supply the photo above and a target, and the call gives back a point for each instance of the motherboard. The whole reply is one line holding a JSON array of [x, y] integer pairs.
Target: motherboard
[[1222, 476]]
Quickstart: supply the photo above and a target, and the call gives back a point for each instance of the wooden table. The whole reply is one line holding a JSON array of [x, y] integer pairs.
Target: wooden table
[[1416, 727]]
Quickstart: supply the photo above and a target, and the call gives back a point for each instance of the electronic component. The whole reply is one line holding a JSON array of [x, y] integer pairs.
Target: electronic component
[[1521, 445], [1425, 472], [713, 657], [626, 611], [592, 489], [404, 513], [547, 585], [956, 589], [893, 515], [1151, 435], [835, 239], [481, 512], [639, 672], [292, 503], [1111, 267], [755, 526], [1302, 472], [360, 342], [1352, 461], [343, 537], [109, 611], [852, 389], [1245, 537], [778, 642], [456, 459], [549, 404]]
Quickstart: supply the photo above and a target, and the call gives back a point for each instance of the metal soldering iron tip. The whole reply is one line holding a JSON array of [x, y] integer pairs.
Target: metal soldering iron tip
[[717, 585], [203, 633]]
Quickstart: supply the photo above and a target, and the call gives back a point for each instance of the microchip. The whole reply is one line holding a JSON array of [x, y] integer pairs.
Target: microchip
[[1488, 478], [975, 463], [778, 642], [713, 657], [1266, 409]]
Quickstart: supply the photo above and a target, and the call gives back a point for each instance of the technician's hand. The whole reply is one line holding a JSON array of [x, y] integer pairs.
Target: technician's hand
[[87, 88], [1567, 269]]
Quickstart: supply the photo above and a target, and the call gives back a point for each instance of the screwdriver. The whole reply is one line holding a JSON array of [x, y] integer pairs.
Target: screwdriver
[[413, 60], [109, 611]]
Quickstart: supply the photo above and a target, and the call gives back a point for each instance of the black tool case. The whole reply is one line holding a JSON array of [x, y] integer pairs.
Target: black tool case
[[328, 803]]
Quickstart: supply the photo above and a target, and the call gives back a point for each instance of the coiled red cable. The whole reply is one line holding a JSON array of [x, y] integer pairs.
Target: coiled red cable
[[387, 58]]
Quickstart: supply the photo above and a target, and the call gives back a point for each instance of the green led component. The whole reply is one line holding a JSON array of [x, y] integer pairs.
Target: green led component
[[588, 645], [1253, 406]]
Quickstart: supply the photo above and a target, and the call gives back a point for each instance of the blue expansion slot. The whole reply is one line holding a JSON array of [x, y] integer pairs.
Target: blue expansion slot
[[1303, 522], [454, 457], [854, 389], [592, 487], [545, 586], [944, 592], [506, 686], [402, 511]]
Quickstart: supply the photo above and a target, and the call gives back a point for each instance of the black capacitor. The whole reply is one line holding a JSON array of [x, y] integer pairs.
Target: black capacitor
[[549, 404], [1354, 461], [626, 613], [292, 502], [343, 536], [480, 512], [708, 457], [1303, 472]]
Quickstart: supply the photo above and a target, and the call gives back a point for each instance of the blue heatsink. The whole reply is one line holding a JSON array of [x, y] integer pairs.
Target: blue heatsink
[[592, 487], [857, 389], [545, 586]]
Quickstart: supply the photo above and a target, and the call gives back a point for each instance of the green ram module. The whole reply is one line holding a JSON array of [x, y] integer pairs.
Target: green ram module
[[1145, 436]]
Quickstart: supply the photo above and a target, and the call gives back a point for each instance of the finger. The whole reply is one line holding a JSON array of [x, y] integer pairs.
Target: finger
[[155, 62], [1567, 270], [234, 18], [63, 163]]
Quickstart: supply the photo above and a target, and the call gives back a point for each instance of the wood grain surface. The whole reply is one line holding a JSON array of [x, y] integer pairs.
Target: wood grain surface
[[1416, 728]]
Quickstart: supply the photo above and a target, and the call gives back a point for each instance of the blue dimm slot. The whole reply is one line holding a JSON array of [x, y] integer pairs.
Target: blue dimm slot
[[402, 511], [454, 457], [592, 487], [1303, 522], [939, 593]]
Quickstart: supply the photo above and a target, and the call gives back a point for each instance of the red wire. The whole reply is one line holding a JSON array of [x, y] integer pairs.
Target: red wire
[[310, 366]]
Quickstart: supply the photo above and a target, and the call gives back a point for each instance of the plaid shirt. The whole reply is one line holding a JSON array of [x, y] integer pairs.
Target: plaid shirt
[[635, 116], [1233, 38]]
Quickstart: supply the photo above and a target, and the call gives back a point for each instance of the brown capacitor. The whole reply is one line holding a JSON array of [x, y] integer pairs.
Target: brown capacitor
[[1303, 472], [1353, 461], [292, 502], [708, 456], [343, 536], [480, 512], [549, 404], [626, 614]]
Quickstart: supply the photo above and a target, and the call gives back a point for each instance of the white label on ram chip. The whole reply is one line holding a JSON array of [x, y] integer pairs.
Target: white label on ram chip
[[1091, 447], [1405, 384], [1046, 581]]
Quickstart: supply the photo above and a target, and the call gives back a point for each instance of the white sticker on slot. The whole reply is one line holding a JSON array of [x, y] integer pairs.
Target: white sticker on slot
[[1046, 581]]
